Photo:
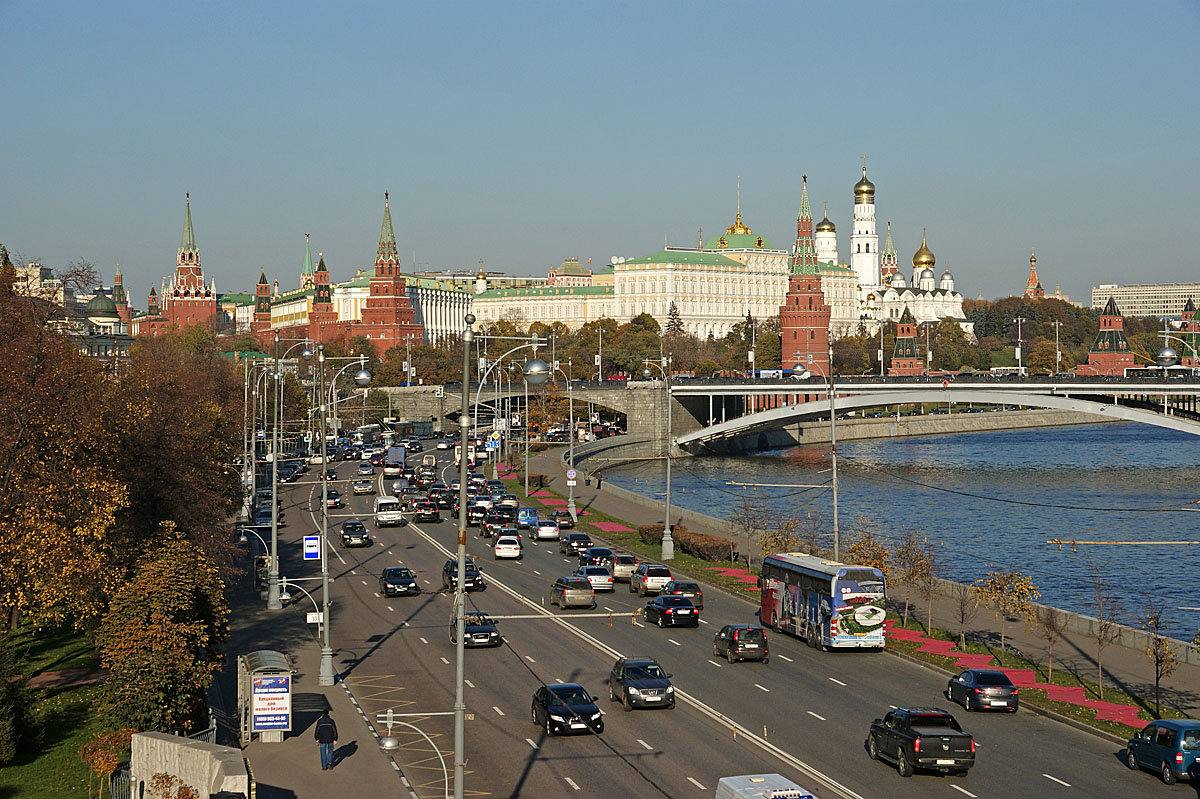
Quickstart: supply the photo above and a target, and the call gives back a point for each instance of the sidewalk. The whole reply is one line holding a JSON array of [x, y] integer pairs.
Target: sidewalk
[[1126, 669], [292, 769]]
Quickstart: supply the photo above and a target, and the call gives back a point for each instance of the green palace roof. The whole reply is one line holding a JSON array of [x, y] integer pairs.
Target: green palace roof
[[684, 258], [236, 298], [738, 241], [549, 291], [364, 280]]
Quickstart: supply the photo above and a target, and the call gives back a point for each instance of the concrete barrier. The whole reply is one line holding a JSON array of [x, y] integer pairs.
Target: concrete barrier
[[205, 768]]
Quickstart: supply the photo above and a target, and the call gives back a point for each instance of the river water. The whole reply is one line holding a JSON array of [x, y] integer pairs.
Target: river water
[[992, 500]]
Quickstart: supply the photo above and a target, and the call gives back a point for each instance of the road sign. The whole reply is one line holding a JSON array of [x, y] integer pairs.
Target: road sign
[[313, 618], [312, 547], [496, 435], [572, 474], [570, 482]]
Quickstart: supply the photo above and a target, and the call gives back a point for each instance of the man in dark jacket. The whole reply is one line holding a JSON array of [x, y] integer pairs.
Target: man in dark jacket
[[326, 736]]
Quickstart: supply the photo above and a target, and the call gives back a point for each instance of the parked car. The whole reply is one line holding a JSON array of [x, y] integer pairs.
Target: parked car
[[564, 518], [479, 630], [649, 578], [736, 642], [671, 611], [983, 689], [620, 566], [640, 682], [545, 529], [508, 547], [333, 499], [1169, 746], [362, 487], [398, 581], [687, 588], [574, 543], [921, 737], [527, 517], [566, 707], [572, 592], [354, 534], [473, 581]]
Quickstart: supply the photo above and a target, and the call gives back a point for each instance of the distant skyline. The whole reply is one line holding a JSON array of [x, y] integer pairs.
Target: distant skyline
[[524, 133]]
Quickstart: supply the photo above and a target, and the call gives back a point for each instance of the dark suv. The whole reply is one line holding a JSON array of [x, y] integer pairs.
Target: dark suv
[[574, 543], [354, 534], [640, 682], [736, 642], [473, 580], [398, 581]]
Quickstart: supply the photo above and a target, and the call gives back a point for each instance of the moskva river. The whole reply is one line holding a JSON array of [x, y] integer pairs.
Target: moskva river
[[992, 501]]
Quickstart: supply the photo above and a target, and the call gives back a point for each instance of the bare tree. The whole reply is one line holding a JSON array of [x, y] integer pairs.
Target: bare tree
[[1159, 650], [965, 610], [1108, 609], [1049, 623], [747, 521], [929, 567], [908, 556]]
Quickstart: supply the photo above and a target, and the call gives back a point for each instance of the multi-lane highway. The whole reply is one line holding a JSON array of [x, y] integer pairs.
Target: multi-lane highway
[[805, 714]]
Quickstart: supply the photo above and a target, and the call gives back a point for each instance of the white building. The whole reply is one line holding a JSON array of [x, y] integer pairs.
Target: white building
[[437, 305], [1164, 300], [864, 242], [929, 298]]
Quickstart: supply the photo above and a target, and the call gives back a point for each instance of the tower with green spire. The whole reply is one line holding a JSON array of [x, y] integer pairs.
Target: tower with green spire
[[906, 358], [306, 270], [889, 263], [803, 260]]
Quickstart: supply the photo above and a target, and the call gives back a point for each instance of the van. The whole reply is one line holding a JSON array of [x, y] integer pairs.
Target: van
[[760, 786], [387, 512], [429, 460]]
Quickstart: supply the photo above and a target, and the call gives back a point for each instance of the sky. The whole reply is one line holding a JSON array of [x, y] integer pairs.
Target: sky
[[524, 133]]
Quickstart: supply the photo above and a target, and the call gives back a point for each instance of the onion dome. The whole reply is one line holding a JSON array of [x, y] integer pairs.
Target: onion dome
[[825, 226], [101, 306], [864, 190], [923, 258], [898, 281], [927, 274]]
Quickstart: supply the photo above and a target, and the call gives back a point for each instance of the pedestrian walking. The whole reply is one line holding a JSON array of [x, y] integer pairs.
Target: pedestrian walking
[[326, 737]]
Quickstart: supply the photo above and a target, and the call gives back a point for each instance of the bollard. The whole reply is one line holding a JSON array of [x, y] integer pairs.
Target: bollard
[[543, 601], [610, 619], [764, 732]]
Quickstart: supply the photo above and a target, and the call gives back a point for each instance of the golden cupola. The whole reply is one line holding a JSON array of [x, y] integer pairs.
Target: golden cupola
[[923, 258], [864, 190]]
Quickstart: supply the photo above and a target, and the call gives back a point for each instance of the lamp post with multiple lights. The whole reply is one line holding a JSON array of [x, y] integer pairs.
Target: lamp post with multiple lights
[[668, 543]]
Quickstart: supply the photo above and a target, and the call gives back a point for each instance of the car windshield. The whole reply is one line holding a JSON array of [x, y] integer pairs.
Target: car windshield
[[646, 671], [658, 571], [573, 695], [398, 573], [934, 722], [675, 601], [992, 679], [354, 527], [480, 619]]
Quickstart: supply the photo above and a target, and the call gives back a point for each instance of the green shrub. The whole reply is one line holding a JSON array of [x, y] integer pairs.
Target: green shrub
[[705, 547], [19, 729]]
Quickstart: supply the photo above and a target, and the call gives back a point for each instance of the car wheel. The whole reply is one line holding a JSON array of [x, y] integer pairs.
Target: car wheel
[[533, 714], [549, 728], [1168, 776], [903, 767], [872, 748], [967, 704], [716, 652], [1131, 759], [767, 659], [612, 694], [627, 703], [662, 622], [729, 655], [593, 604]]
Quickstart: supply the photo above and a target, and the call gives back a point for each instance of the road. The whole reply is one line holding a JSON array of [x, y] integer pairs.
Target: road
[[805, 714]]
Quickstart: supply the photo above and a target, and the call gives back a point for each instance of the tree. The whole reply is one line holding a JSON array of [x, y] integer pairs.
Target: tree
[[19, 728], [909, 563], [867, 547], [1010, 594], [747, 521], [1107, 608], [674, 321], [1049, 623], [789, 534], [965, 609], [926, 578], [1159, 649], [103, 753], [161, 639]]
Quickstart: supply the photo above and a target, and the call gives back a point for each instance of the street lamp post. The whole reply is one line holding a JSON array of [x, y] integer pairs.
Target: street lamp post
[[833, 452], [1057, 350], [1019, 320], [460, 707], [668, 543], [570, 441], [536, 372]]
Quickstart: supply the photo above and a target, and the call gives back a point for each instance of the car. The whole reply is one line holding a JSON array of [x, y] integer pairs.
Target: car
[[736, 642], [288, 475], [491, 523], [565, 707], [527, 517], [510, 501], [365, 469], [574, 543], [376, 458], [485, 502], [263, 516], [983, 689], [478, 630], [443, 498], [315, 459], [671, 611], [443, 444], [426, 511], [921, 737], [477, 479], [649, 578], [621, 566], [413, 445], [640, 682], [598, 576], [545, 529], [398, 581], [572, 592], [508, 547], [391, 469], [437, 486], [409, 496], [475, 516], [329, 474], [494, 487], [473, 580], [388, 513], [510, 514], [686, 588], [564, 518], [333, 499], [362, 487], [1169, 746], [594, 556], [354, 534]]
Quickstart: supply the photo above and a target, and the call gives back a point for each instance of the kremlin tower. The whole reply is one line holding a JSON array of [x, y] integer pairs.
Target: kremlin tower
[[1110, 355], [1033, 286], [804, 316], [906, 358], [387, 318]]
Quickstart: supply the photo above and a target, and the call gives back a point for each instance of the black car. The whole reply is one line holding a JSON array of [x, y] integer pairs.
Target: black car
[[426, 511], [492, 521], [354, 534], [333, 499], [686, 588], [398, 581], [640, 682], [475, 515], [479, 630], [736, 642], [565, 707], [444, 498], [564, 518], [413, 445], [983, 689], [671, 611], [473, 580], [574, 543], [594, 556]]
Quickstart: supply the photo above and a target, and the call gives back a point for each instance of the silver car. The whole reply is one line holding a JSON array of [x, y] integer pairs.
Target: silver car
[[621, 566], [572, 592]]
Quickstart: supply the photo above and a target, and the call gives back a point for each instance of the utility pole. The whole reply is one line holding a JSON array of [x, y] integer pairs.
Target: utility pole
[[1020, 341], [460, 706], [600, 356], [1057, 349]]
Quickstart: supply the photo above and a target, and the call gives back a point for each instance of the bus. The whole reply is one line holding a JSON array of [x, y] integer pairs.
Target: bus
[[829, 604], [1009, 371], [470, 455], [366, 434]]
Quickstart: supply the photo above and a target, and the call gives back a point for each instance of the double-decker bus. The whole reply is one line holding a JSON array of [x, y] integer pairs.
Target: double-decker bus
[[829, 604]]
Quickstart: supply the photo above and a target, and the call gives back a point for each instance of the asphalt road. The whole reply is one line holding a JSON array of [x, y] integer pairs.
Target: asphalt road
[[805, 714]]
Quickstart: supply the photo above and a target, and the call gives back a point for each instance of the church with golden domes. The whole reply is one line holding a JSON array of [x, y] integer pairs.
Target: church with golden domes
[[929, 297]]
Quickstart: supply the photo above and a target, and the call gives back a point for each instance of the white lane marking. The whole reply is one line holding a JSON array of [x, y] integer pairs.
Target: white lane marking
[[531, 660], [672, 640], [498, 710], [392, 609], [963, 790], [692, 780], [531, 743], [759, 687], [788, 659], [702, 621], [893, 707], [836, 680], [606, 607], [715, 663], [469, 683], [364, 582], [1056, 779], [558, 679], [571, 782], [446, 661], [646, 745], [636, 623], [815, 715], [352, 571], [535, 571], [424, 641], [429, 583]]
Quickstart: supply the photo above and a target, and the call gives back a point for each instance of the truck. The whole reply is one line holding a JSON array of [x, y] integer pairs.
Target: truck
[[760, 786], [921, 738]]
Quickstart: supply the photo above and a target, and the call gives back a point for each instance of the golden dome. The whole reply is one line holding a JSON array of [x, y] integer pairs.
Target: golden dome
[[737, 228], [825, 226], [923, 257], [864, 190]]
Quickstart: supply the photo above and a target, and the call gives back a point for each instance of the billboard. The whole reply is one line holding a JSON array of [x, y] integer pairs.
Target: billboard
[[271, 703]]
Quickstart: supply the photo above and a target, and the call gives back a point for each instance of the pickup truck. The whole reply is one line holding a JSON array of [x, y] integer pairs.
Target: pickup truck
[[921, 737]]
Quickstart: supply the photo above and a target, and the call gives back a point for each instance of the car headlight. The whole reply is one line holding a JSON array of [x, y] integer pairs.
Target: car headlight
[[634, 692], [557, 718], [670, 689], [595, 716]]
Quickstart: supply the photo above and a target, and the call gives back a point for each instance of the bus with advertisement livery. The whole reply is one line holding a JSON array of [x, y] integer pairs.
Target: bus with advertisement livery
[[829, 604]]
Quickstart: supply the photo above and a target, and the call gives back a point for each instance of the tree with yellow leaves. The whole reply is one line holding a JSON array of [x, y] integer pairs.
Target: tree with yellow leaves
[[1009, 594]]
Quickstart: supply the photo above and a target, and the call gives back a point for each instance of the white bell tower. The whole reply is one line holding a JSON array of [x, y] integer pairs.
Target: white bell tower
[[864, 242]]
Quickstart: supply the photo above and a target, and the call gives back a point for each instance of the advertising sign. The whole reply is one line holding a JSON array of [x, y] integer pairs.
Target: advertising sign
[[271, 703]]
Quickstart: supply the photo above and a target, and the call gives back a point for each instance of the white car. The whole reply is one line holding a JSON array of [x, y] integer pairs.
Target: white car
[[598, 576], [485, 502], [314, 459], [508, 547], [442, 444], [391, 469], [545, 529]]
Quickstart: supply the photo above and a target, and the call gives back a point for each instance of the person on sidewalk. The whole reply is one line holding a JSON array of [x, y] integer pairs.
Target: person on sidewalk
[[326, 736]]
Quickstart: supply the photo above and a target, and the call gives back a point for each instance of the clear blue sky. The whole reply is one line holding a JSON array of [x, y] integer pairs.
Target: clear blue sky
[[523, 133]]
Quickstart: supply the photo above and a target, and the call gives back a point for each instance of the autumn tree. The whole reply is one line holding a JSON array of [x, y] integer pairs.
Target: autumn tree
[[1159, 649], [909, 563], [19, 729], [1010, 595], [103, 753], [965, 609], [1107, 608], [1050, 625], [161, 639], [866, 547]]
